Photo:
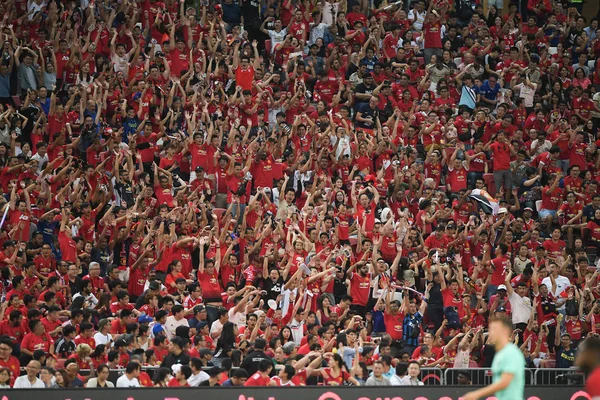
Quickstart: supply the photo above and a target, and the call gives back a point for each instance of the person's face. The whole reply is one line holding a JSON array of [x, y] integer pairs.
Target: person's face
[[5, 351], [414, 370], [32, 368], [377, 369]]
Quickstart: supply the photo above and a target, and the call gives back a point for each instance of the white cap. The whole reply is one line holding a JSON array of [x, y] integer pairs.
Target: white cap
[[502, 210], [501, 287]]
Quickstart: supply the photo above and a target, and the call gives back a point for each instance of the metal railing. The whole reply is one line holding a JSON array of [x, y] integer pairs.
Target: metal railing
[[559, 376], [432, 376], [449, 376], [479, 376]]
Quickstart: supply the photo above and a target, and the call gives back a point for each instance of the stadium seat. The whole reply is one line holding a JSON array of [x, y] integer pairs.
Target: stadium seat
[[268, 46], [490, 184], [421, 62]]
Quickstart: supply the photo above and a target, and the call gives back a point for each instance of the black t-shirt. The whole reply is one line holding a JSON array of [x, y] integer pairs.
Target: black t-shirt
[[366, 111], [207, 383], [251, 361], [172, 359], [565, 358], [364, 89], [125, 190], [273, 289]]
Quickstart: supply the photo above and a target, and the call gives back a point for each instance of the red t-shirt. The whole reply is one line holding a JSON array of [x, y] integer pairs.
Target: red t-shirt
[[501, 265], [451, 300], [175, 383], [393, 325], [501, 159], [67, 247], [433, 39], [258, 380], [34, 342], [244, 77], [14, 366], [360, 289]]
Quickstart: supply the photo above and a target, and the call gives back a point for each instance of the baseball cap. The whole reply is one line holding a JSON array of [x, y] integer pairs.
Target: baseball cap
[[145, 319], [199, 308], [201, 325], [501, 287], [502, 210], [205, 352], [157, 329]]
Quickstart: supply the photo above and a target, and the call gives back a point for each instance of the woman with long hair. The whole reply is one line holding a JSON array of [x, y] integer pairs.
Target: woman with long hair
[[162, 377], [143, 339], [101, 381], [99, 355], [324, 308], [335, 374], [62, 379], [226, 343], [285, 335]]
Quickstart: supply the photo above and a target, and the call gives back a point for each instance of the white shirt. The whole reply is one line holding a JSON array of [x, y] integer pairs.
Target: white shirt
[[90, 298], [22, 382], [521, 308], [562, 283], [317, 32], [418, 17], [297, 329], [42, 160], [102, 339], [216, 326], [121, 64], [276, 38], [125, 382], [172, 324], [238, 318], [526, 93], [328, 11], [196, 380]]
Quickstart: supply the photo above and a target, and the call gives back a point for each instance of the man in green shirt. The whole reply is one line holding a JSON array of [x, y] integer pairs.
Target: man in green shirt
[[508, 367]]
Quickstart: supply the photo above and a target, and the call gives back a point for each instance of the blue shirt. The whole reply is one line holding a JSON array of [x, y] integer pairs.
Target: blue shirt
[[468, 97], [47, 229], [412, 323], [488, 92], [378, 321]]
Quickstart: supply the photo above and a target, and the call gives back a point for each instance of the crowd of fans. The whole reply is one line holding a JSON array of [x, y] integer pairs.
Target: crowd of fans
[[293, 192]]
